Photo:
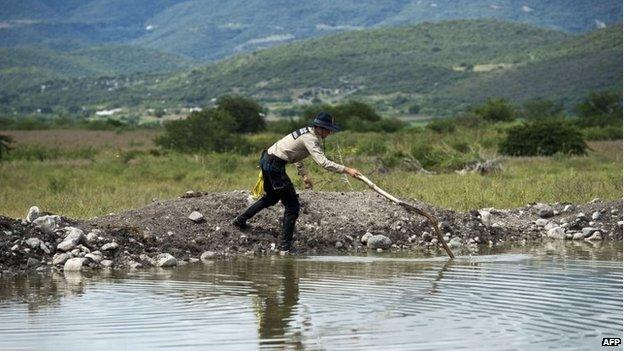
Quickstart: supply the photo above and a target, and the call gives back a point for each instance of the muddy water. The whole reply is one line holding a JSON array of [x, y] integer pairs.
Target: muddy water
[[558, 296]]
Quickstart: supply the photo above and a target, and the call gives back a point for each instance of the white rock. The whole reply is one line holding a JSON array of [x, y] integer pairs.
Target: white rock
[[596, 215], [544, 210], [621, 224], [378, 241], [166, 260], [60, 258], [338, 244], [106, 263], [66, 245], [33, 213], [568, 208], [110, 246], [73, 238], [95, 258], [32, 262], [150, 261], [581, 215], [550, 226], [75, 234], [556, 233], [587, 231], [365, 237], [595, 237], [542, 222], [33, 243], [208, 255], [486, 218], [578, 236], [196, 217], [45, 247], [595, 200], [455, 243], [47, 224], [74, 264], [92, 238]]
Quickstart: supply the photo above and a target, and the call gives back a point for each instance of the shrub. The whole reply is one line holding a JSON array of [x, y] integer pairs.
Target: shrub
[[5, 146], [442, 125], [603, 133], [388, 125], [600, 109], [208, 130], [414, 109], [543, 138], [284, 126], [247, 114], [469, 120], [496, 110]]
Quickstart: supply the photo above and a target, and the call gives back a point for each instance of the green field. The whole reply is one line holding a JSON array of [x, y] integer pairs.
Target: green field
[[118, 172]]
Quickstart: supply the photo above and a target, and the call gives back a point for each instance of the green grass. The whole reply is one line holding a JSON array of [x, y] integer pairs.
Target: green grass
[[112, 182]]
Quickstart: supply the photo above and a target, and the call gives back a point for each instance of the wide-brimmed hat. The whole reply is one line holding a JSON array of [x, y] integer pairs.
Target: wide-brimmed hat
[[325, 120]]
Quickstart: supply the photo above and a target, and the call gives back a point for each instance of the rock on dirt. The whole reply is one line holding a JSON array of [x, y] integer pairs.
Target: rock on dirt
[[378, 242], [161, 232]]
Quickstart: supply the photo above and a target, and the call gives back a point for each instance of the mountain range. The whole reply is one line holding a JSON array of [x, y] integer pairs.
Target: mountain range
[[440, 67], [210, 30]]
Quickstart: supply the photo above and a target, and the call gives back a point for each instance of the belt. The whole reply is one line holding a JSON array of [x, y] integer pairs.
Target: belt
[[273, 163]]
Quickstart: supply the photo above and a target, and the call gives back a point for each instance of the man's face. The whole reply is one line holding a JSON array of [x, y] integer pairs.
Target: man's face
[[323, 133]]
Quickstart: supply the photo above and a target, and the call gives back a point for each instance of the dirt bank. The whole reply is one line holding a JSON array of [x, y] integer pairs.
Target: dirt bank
[[161, 234]]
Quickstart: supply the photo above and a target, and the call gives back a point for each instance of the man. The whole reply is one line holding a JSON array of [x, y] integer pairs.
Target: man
[[293, 148]]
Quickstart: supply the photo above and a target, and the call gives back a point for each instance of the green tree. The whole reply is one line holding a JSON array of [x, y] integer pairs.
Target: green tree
[[543, 138], [600, 109], [352, 115], [414, 109], [247, 114], [541, 109], [5, 146], [496, 110], [208, 130]]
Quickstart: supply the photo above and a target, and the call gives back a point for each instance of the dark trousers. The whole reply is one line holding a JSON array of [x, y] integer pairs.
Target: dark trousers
[[277, 186]]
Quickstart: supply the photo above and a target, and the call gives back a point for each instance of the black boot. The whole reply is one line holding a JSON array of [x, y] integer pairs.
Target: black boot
[[287, 233], [240, 223]]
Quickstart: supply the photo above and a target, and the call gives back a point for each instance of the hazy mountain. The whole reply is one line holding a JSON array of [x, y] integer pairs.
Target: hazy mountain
[[212, 29], [443, 67]]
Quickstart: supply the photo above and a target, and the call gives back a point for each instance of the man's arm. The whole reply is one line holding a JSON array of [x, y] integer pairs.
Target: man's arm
[[302, 171], [314, 148]]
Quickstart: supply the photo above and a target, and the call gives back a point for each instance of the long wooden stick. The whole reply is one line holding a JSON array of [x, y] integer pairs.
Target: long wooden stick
[[432, 220]]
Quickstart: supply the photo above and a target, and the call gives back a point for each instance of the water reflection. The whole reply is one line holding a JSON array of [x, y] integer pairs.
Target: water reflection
[[553, 295]]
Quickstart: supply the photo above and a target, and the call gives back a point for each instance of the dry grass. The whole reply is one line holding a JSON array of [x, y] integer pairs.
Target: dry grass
[[76, 138], [108, 182]]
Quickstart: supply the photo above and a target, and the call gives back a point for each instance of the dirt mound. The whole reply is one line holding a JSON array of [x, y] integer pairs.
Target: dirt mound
[[329, 223]]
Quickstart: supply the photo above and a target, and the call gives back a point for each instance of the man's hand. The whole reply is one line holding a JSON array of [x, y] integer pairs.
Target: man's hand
[[351, 171], [307, 182]]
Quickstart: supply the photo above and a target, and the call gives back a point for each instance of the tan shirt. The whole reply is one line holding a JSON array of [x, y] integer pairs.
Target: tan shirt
[[298, 145]]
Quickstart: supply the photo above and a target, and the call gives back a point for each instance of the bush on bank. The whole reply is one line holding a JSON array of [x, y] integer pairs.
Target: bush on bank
[[543, 138]]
